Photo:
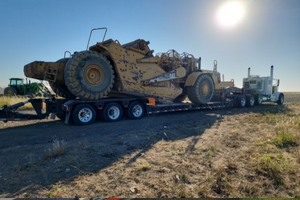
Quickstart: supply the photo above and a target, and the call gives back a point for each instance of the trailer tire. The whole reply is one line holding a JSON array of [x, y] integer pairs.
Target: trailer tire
[[280, 99], [89, 75], [240, 101], [112, 112], [84, 114], [250, 101], [258, 99], [202, 91], [10, 91], [136, 110]]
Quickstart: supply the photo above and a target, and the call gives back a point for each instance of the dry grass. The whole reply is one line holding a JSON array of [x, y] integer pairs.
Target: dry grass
[[56, 149], [5, 100]]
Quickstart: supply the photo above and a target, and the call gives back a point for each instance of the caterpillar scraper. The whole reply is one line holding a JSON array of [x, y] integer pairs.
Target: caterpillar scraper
[[109, 69]]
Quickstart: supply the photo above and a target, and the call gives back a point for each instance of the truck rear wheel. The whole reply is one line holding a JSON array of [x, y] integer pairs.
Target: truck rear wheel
[[89, 75], [112, 112], [10, 91], [84, 114], [250, 101], [135, 110], [202, 91]]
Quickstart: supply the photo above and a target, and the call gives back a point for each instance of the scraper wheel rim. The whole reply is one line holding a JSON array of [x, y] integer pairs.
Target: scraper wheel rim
[[94, 75]]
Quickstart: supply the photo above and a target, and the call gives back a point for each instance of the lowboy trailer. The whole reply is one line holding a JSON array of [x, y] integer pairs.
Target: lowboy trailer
[[84, 112]]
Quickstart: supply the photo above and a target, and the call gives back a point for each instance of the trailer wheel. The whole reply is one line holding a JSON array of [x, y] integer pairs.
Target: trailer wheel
[[250, 101], [84, 114], [89, 75], [280, 99], [202, 91], [240, 101], [10, 91], [112, 112], [136, 110], [258, 99]]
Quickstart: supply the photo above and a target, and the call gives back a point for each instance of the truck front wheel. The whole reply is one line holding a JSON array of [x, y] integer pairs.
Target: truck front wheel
[[258, 99], [280, 99]]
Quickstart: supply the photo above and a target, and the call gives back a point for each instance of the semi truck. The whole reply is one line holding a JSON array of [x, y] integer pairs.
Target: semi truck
[[111, 81], [112, 109]]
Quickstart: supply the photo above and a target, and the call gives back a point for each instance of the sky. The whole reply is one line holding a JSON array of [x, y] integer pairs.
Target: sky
[[267, 33]]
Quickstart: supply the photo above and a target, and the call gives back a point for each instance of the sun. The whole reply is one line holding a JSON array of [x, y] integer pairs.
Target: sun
[[230, 14]]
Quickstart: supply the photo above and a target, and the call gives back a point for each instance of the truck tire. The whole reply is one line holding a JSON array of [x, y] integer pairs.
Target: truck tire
[[84, 114], [250, 101], [240, 101], [135, 110], [89, 75], [258, 99], [280, 99], [10, 91], [61, 90], [202, 91], [112, 112]]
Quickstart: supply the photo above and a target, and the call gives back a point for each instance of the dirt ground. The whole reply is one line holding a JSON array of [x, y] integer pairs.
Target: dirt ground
[[25, 168]]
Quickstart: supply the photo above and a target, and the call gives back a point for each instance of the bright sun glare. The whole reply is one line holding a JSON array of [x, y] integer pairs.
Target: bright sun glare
[[230, 14]]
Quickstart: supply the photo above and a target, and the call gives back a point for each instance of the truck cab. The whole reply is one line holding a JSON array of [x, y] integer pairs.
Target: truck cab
[[265, 88]]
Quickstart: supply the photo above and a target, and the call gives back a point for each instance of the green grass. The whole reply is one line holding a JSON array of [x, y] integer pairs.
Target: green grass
[[285, 139]]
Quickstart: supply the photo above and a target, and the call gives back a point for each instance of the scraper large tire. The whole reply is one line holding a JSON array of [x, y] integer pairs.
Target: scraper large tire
[[202, 91], [61, 90], [89, 75]]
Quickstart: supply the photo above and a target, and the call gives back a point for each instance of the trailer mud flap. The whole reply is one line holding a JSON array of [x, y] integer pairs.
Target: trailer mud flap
[[67, 117]]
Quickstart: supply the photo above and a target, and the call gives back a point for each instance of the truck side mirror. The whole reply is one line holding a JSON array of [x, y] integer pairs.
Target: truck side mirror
[[278, 82]]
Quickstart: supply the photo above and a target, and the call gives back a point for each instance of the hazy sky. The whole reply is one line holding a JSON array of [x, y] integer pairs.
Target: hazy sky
[[267, 34]]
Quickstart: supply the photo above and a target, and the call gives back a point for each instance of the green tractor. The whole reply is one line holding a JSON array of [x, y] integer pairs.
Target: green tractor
[[18, 87]]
